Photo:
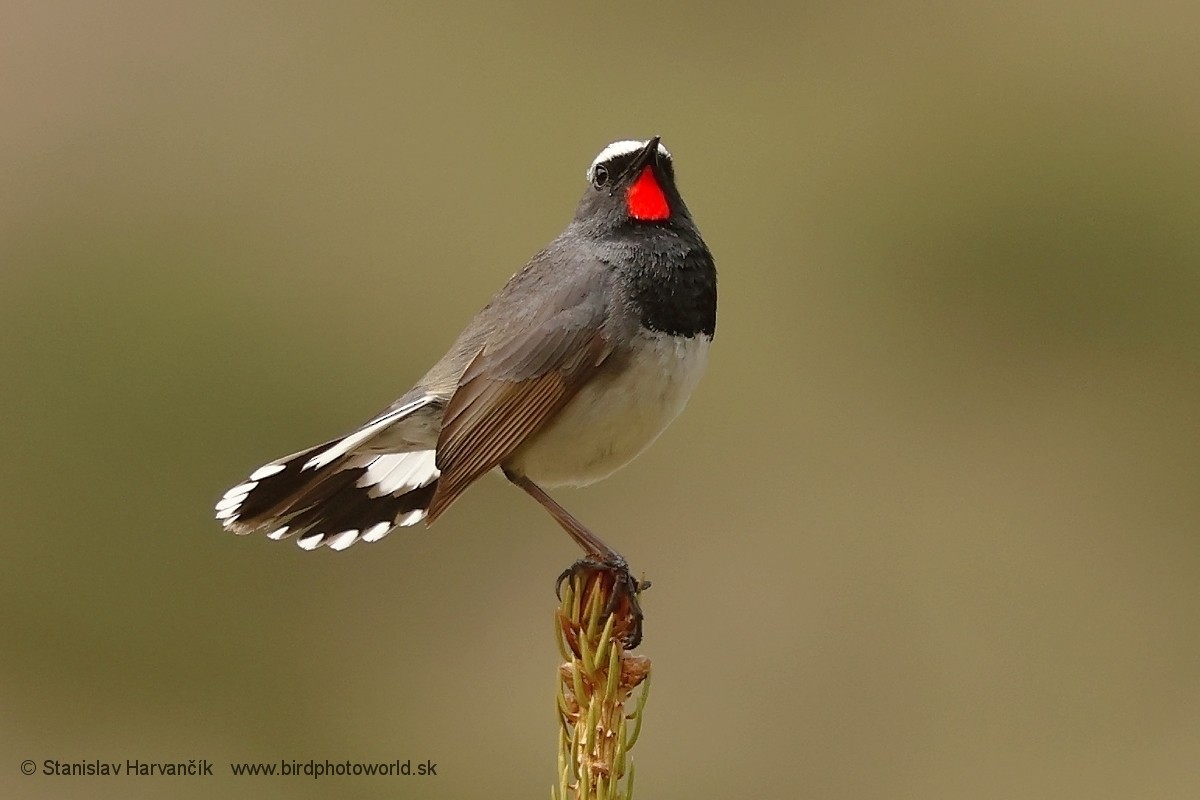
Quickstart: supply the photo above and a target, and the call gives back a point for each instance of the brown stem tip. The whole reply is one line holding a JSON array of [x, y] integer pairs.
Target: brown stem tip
[[597, 621]]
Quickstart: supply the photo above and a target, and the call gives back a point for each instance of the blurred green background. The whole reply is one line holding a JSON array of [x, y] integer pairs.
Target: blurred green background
[[928, 529]]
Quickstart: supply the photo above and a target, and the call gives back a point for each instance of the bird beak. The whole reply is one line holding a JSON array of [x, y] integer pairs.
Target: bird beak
[[647, 155]]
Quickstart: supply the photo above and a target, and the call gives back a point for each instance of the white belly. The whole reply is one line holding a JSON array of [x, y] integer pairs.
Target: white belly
[[615, 416]]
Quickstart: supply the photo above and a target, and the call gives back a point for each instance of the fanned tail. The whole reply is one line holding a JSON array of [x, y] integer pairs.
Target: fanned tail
[[336, 493]]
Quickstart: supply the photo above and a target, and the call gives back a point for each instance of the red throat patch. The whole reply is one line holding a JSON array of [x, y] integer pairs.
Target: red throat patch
[[645, 198]]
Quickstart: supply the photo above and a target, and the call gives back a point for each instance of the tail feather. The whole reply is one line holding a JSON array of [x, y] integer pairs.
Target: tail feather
[[356, 515], [334, 494], [269, 491]]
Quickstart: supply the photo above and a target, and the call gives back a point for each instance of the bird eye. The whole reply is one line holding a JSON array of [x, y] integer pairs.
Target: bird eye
[[599, 176]]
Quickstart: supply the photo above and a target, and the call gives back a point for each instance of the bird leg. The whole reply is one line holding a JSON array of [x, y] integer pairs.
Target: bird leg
[[591, 544], [597, 554]]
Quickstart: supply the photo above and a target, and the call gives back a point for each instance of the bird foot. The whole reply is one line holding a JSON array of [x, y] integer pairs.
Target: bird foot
[[610, 575]]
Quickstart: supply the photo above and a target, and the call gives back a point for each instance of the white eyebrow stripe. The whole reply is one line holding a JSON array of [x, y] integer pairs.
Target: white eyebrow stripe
[[622, 148]]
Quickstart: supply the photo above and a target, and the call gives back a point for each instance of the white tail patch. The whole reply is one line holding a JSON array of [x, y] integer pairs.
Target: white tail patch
[[227, 507], [266, 471], [311, 541], [397, 473], [239, 491], [377, 531], [365, 433], [229, 504], [343, 540], [411, 518], [369, 483]]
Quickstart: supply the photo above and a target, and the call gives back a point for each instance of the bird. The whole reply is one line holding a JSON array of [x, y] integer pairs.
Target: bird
[[570, 371]]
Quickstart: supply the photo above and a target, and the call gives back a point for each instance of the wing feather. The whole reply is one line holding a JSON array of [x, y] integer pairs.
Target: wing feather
[[510, 391]]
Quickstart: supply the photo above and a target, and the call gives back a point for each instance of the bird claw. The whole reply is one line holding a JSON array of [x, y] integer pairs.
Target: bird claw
[[625, 587]]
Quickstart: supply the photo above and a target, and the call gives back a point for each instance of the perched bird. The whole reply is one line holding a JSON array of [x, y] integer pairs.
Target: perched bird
[[570, 371]]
